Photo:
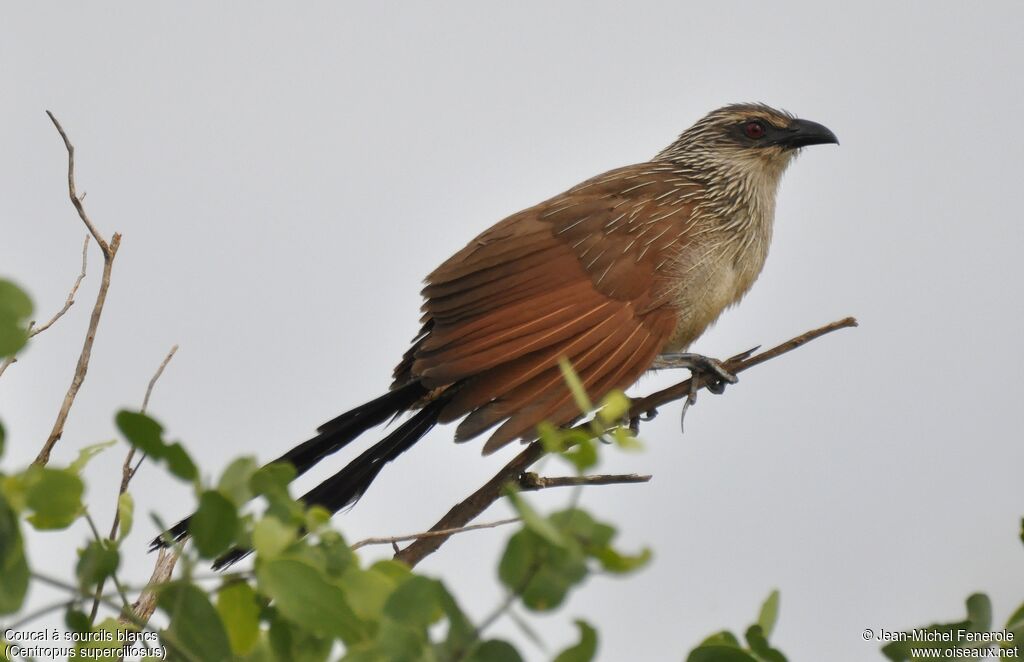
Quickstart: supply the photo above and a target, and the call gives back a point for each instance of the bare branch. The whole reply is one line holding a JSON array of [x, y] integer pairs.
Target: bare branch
[[128, 472], [144, 607], [70, 301], [530, 481], [33, 330], [464, 512], [156, 375], [76, 200], [109, 252], [432, 534], [527, 482]]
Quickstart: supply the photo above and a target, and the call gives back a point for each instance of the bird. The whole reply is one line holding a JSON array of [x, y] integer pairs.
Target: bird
[[618, 275]]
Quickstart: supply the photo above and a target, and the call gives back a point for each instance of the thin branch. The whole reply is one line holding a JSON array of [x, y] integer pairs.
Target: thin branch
[[143, 608], [109, 252], [168, 638], [467, 510], [530, 481], [117, 583], [128, 472], [156, 376], [33, 330], [527, 482], [70, 301], [76, 200], [431, 534]]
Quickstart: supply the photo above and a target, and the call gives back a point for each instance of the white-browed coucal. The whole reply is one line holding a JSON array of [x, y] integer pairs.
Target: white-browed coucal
[[619, 273]]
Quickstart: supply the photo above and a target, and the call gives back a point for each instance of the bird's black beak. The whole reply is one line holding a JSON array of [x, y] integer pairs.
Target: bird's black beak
[[801, 133]]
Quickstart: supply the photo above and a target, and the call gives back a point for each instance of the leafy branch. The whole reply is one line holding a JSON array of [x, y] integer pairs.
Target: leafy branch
[[472, 506]]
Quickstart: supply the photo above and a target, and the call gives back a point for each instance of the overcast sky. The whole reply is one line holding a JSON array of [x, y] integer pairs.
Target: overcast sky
[[284, 176]]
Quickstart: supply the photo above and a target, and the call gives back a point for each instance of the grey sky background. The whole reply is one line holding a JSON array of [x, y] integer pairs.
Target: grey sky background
[[285, 174]]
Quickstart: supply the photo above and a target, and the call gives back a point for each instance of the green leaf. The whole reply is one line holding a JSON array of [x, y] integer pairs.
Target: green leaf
[[295, 644], [979, 617], [579, 393], [55, 496], [1016, 621], [15, 309], [614, 408], [625, 440], [271, 482], [88, 453], [551, 437], [723, 638], [309, 599], [759, 645], [240, 613], [979, 612], [583, 455], [394, 641], [461, 633], [96, 562], [618, 563], [534, 521], [14, 573], [194, 623], [577, 524], [76, 620], [338, 556], [125, 514], [234, 482], [146, 434], [179, 463], [214, 525], [719, 653], [367, 590], [317, 518], [495, 650], [769, 614], [270, 537], [417, 602], [105, 643], [142, 432], [538, 571], [2, 438], [585, 650]]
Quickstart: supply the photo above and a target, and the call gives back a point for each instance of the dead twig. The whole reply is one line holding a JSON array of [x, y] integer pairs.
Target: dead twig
[[144, 607], [390, 540], [528, 482], [128, 472], [34, 330], [109, 251], [468, 509]]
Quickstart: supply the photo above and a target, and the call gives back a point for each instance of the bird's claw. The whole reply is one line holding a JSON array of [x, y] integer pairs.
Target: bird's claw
[[634, 421], [705, 372]]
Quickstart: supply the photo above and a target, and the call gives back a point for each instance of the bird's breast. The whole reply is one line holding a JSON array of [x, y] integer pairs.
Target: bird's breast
[[706, 279]]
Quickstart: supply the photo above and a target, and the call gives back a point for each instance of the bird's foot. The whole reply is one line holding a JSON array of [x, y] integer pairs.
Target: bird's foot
[[634, 422], [704, 370]]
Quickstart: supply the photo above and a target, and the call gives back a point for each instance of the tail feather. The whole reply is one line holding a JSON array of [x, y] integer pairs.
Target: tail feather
[[348, 485], [338, 432], [331, 437]]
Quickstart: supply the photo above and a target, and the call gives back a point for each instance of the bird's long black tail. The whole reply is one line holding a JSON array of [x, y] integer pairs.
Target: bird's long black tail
[[331, 437], [345, 487]]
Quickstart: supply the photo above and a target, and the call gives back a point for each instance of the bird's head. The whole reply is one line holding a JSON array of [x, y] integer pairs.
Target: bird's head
[[748, 137]]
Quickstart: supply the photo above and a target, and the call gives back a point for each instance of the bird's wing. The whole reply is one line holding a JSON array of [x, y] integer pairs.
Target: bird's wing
[[581, 276]]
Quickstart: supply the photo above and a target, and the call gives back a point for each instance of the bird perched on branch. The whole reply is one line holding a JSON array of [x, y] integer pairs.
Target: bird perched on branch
[[619, 274]]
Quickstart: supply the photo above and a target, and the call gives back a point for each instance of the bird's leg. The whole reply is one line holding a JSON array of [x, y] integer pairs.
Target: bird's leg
[[704, 371], [634, 421], [711, 371]]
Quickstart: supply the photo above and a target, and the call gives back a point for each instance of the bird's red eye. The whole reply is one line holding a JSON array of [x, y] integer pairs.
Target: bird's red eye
[[754, 130]]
